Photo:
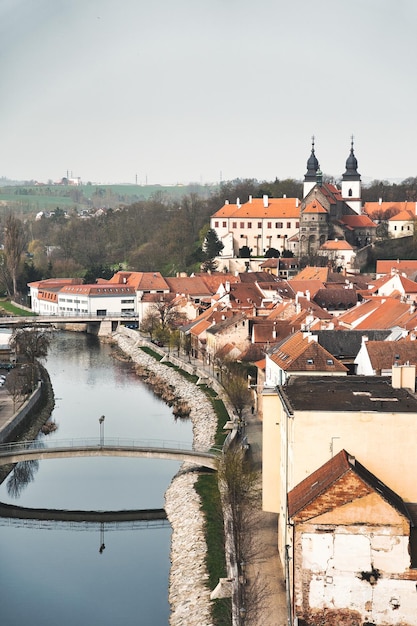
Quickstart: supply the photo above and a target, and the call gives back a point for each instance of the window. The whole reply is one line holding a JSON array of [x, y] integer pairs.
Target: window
[[288, 224], [310, 361], [279, 224], [269, 225], [297, 224], [259, 224], [234, 224], [216, 224], [330, 362], [242, 224], [224, 224], [249, 224]]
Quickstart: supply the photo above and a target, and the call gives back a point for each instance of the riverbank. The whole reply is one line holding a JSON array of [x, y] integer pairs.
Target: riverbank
[[189, 595]]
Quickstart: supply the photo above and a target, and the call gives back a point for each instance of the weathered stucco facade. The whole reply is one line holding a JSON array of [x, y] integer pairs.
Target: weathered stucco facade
[[352, 552]]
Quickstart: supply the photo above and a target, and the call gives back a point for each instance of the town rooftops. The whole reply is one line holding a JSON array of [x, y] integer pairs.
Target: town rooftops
[[346, 394]]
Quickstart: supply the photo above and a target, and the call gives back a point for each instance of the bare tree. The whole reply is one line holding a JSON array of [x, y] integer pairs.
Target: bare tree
[[14, 245], [150, 321], [237, 390]]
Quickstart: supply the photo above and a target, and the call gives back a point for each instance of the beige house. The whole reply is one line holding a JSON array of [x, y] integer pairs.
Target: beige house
[[353, 548], [310, 419]]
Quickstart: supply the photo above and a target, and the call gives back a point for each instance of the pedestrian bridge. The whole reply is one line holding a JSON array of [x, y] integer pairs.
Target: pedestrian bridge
[[15, 452]]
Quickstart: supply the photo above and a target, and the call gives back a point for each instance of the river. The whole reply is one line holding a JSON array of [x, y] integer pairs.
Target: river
[[57, 574]]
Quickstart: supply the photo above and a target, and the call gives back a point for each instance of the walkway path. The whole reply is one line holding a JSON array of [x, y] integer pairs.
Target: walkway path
[[266, 565]]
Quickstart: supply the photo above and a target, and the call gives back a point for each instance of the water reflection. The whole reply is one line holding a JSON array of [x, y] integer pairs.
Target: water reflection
[[23, 474]]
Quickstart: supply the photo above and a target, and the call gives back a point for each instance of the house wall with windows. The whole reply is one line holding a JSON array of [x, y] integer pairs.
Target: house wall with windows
[[260, 224]]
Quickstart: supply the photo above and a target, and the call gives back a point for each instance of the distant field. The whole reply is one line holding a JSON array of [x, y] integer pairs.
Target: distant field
[[32, 199]]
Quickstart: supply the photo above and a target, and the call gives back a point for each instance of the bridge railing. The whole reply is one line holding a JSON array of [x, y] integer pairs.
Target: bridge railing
[[111, 442]]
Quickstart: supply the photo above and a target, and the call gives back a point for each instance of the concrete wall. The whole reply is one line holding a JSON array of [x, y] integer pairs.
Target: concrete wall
[[17, 419]]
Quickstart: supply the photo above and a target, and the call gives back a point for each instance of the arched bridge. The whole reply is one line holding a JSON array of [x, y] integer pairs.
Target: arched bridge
[[16, 452]]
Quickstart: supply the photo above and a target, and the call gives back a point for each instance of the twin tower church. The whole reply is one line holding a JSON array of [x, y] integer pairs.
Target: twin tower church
[[328, 218], [329, 212]]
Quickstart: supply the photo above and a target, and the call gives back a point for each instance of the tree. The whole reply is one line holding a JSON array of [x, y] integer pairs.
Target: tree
[[170, 317], [32, 344], [150, 321], [237, 390], [14, 245], [212, 245], [272, 253]]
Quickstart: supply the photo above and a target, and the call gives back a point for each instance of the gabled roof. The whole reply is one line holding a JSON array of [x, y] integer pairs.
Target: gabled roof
[[330, 473], [386, 354], [370, 208], [189, 286], [215, 279], [303, 285], [313, 273], [336, 298], [346, 343], [314, 207], [408, 267], [141, 281], [357, 221], [387, 314], [402, 216], [224, 324], [336, 244], [299, 353]]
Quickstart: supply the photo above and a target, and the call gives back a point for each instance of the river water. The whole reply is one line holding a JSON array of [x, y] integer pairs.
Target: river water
[[57, 574]]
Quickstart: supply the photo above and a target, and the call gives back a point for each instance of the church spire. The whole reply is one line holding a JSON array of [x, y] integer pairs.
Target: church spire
[[351, 182], [351, 165], [313, 168]]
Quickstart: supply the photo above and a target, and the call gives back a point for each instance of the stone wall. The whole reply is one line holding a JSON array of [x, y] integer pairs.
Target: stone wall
[[189, 595]]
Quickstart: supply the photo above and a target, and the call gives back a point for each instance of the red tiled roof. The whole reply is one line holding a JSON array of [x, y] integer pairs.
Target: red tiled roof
[[277, 207], [408, 267], [314, 207], [357, 221], [384, 354], [336, 244], [301, 353]]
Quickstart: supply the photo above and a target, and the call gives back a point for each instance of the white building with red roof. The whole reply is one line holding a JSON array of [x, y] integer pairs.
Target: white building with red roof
[[260, 224]]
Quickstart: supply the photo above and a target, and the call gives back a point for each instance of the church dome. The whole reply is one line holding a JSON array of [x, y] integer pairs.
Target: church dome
[[351, 165]]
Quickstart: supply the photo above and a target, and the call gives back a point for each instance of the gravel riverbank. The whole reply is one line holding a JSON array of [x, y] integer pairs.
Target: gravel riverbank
[[189, 596]]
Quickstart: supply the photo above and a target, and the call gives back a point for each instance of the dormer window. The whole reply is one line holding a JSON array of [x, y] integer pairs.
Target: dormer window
[[330, 362], [310, 361]]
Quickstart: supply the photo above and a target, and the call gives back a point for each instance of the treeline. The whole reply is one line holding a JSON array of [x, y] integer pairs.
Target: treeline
[[159, 234]]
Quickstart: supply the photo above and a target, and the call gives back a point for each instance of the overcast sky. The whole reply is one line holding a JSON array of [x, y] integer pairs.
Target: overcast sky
[[197, 90]]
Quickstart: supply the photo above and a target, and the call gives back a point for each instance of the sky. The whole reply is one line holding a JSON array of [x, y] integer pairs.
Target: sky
[[164, 91]]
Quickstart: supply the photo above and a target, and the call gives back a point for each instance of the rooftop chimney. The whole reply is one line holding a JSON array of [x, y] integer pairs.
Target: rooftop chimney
[[250, 199], [265, 201], [238, 203]]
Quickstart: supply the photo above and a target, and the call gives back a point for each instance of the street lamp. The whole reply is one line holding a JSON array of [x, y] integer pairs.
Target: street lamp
[[101, 422]]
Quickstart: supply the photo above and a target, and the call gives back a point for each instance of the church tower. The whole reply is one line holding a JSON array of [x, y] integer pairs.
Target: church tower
[[313, 174], [351, 183]]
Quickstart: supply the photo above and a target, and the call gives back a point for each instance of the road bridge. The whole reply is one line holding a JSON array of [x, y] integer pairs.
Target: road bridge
[[30, 320], [16, 452]]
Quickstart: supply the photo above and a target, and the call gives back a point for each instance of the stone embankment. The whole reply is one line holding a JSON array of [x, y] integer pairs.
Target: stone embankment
[[189, 595]]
